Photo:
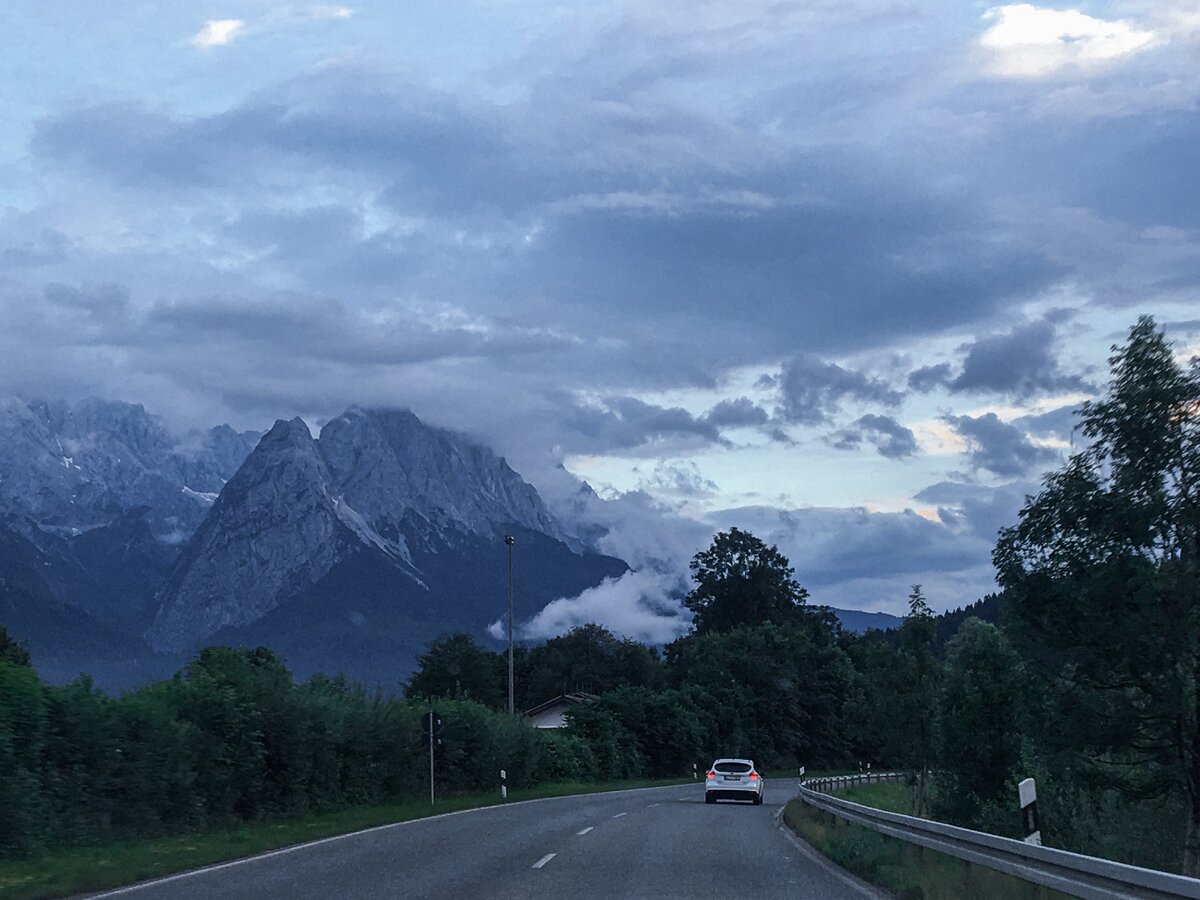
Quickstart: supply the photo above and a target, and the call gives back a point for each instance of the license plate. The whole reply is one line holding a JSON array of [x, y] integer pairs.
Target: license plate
[[733, 777]]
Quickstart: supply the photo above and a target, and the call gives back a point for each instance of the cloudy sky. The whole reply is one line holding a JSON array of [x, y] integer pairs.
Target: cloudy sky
[[835, 272]]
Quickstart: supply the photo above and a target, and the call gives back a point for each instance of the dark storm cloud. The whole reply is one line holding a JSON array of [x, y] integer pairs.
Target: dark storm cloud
[[998, 446], [926, 378], [981, 509], [764, 245], [45, 247], [626, 423], [738, 413], [338, 332], [838, 551], [106, 301], [811, 391], [889, 438], [1022, 363], [835, 273], [1127, 167], [421, 145]]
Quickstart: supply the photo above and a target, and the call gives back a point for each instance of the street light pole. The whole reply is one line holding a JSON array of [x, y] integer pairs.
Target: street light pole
[[510, 540]]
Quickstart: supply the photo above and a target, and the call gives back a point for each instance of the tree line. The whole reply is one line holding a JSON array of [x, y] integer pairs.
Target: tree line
[[1082, 672]]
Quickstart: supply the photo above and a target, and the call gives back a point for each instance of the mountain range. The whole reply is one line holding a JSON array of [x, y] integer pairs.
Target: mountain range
[[124, 547]]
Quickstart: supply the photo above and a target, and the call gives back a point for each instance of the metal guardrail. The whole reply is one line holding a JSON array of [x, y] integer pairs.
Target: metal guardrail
[[837, 782], [1071, 873]]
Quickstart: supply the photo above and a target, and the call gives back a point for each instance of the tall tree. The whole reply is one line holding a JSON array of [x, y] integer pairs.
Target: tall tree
[[904, 689], [587, 658], [742, 581], [456, 667], [916, 641], [781, 694], [1102, 573], [980, 721]]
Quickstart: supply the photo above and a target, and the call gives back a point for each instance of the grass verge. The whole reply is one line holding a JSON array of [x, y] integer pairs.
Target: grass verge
[[84, 869], [908, 871], [893, 796]]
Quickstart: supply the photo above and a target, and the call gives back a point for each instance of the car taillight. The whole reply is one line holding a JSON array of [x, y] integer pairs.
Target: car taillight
[[753, 775], [711, 775]]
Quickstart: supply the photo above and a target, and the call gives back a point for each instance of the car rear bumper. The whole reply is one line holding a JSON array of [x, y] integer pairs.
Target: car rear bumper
[[733, 792]]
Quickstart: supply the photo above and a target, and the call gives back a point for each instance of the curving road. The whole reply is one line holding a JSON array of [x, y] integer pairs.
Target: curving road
[[649, 843]]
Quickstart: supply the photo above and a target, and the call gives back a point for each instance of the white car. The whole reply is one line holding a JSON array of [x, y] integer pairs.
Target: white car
[[733, 779]]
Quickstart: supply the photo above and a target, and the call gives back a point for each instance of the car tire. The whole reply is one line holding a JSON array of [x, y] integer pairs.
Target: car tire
[[758, 799], [709, 798]]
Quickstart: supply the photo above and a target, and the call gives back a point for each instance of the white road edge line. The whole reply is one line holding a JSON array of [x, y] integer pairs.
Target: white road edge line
[[586, 830], [861, 887], [618, 815], [545, 859], [128, 889]]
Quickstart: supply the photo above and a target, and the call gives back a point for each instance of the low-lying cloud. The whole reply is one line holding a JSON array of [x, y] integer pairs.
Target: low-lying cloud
[[638, 605]]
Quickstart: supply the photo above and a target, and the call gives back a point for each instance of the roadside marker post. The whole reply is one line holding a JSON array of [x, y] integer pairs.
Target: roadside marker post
[[1027, 793], [503, 785]]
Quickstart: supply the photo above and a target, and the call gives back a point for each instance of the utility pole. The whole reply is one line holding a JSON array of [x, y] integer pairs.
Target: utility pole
[[431, 734], [510, 540]]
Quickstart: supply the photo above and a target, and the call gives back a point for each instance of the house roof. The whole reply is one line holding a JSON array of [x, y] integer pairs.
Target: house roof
[[562, 700]]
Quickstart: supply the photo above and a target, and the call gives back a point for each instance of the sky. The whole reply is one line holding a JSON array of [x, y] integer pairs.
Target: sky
[[833, 272]]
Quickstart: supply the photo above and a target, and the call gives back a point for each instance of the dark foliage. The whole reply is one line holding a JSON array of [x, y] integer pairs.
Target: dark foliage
[[742, 581]]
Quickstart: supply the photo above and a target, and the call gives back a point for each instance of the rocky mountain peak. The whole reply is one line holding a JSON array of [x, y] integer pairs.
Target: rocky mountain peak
[[70, 467], [273, 530], [376, 481], [389, 464]]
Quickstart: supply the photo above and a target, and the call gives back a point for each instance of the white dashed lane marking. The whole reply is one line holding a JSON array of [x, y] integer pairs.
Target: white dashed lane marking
[[545, 859], [618, 815], [586, 830]]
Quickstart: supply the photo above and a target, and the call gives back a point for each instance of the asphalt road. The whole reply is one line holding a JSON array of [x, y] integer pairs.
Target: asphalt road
[[652, 843]]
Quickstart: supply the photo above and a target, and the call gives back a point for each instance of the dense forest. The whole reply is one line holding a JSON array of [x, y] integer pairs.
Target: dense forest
[[1081, 672]]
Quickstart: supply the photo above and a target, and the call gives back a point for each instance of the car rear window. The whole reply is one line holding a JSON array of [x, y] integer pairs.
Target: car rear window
[[738, 768]]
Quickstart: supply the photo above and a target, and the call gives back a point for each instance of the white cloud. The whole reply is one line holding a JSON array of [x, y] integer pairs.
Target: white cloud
[[217, 32], [635, 605], [1027, 41]]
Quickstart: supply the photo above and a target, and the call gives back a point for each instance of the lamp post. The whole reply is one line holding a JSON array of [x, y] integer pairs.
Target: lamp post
[[510, 540]]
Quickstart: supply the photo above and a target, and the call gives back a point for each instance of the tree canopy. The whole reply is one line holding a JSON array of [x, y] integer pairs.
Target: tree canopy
[[1101, 570], [742, 581], [456, 667]]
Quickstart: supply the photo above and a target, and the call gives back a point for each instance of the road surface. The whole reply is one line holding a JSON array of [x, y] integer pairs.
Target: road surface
[[650, 843]]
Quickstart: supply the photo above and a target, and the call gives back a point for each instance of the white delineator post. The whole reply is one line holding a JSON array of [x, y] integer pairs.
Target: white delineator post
[[1027, 791], [503, 785]]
